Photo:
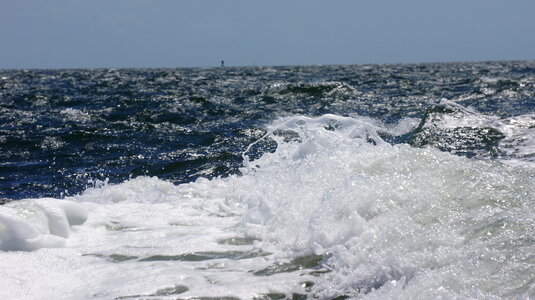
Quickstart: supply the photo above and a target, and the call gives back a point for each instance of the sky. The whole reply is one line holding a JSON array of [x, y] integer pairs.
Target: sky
[[201, 33]]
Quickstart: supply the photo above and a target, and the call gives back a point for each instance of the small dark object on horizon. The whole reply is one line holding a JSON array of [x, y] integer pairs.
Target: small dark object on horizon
[[222, 63]]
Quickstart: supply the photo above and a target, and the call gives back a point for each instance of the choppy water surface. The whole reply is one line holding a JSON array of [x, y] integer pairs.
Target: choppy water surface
[[380, 181]]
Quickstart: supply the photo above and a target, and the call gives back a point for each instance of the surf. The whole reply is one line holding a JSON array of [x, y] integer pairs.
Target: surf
[[334, 210]]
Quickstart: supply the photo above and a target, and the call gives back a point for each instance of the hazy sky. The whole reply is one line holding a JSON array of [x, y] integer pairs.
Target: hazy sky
[[184, 33]]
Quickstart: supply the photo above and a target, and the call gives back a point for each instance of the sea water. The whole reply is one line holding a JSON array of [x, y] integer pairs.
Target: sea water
[[306, 182]]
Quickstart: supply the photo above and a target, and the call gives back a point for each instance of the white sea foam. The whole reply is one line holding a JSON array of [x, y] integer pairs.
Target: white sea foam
[[77, 115], [33, 224], [390, 221], [462, 117], [518, 143]]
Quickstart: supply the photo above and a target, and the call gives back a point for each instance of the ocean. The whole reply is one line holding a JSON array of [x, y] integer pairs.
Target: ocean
[[409, 181]]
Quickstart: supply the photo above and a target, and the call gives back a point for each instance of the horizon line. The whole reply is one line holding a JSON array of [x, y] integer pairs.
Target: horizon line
[[265, 66]]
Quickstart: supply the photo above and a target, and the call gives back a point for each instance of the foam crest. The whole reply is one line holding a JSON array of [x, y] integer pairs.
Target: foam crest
[[386, 214], [455, 115], [519, 144], [76, 115], [451, 127], [137, 190]]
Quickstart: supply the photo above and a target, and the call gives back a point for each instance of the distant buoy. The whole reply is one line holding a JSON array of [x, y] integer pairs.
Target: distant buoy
[[222, 63]]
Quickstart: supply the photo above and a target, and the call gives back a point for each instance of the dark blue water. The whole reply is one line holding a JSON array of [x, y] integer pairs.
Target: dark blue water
[[63, 130]]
